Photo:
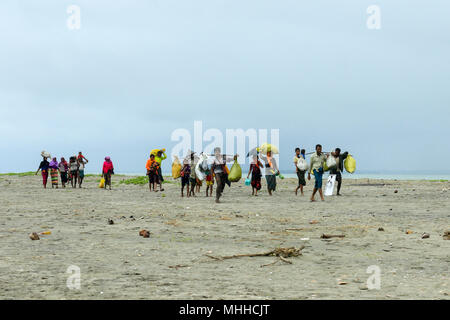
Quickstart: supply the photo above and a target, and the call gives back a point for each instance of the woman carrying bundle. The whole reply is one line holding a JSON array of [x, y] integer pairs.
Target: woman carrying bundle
[[43, 166]]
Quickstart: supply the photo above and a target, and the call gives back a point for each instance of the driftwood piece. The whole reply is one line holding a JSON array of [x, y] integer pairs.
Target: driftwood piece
[[280, 258], [328, 236], [278, 252]]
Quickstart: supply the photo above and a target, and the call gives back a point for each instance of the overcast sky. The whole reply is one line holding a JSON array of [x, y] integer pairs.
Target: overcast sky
[[137, 70]]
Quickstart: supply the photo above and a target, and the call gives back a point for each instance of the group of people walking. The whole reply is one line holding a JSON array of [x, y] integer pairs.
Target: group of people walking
[[218, 173], [72, 171], [260, 162], [316, 167]]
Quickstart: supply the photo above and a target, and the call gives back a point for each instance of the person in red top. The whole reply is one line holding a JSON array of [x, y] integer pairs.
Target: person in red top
[[80, 156], [108, 170]]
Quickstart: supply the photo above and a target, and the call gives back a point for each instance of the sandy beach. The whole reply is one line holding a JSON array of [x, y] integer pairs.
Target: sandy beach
[[116, 263]]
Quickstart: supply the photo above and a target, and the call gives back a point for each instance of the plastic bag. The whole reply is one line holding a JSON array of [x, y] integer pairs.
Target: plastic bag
[[350, 164], [302, 164], [102, 183], [235, 172], [199, 172], [331, 162], [176, 168]]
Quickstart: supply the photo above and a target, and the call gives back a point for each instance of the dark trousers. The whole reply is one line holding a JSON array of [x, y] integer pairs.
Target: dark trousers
[[160, 176], [220, 179], [339, 180]]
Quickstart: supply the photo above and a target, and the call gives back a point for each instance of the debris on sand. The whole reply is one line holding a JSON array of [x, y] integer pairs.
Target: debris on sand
[[110, 221], [409, 232], [380, 229], [446, 235], [328, 236], [34, 236], [144, 233], [179, 266], [425, 235]]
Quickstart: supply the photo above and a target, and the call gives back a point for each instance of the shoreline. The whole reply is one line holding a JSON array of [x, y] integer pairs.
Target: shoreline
[[287, 175]]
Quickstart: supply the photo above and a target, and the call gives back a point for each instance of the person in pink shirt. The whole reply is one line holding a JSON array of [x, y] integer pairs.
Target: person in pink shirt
[[108, 170]]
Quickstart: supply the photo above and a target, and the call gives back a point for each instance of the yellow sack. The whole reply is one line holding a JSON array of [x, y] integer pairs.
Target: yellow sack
[[235, 172], [325, 167], [176, 168], [102, 183], [350, 164], [155, 151]]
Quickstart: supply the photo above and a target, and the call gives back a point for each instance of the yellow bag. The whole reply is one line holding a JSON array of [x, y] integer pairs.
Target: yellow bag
[[102, 183], [350, 164], [235, 172], [176, 168], [325, 167]]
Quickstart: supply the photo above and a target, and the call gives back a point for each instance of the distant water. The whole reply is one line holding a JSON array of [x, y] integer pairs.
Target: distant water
[[389, 176], [399, 176]]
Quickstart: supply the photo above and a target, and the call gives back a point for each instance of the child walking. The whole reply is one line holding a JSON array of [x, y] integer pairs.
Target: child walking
[[152, 172]]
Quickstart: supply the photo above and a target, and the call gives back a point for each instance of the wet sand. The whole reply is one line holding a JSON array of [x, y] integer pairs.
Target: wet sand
[[116, 263]]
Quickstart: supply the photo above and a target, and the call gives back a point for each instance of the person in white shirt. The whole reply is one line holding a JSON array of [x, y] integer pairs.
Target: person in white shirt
[[81, 165], [316, 167]]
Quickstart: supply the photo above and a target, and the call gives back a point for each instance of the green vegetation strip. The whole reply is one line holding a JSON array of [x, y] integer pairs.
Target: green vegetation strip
[[141, 180], [20, 174]]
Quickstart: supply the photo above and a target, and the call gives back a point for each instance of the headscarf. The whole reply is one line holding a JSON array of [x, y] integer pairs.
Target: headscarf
[[53, 164], [107, 158]]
